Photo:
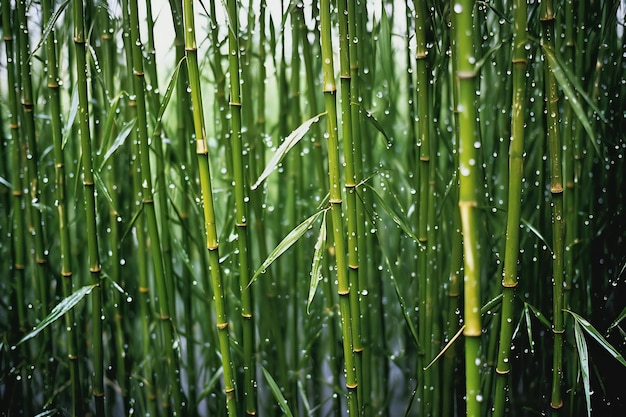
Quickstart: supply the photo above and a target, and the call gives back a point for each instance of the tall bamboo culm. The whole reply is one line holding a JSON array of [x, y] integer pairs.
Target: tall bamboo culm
[[332, 136], [202, 151], [516, 173], [468, 202]]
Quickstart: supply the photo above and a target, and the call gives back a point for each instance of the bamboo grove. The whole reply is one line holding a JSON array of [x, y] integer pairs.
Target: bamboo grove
[[325, 208]]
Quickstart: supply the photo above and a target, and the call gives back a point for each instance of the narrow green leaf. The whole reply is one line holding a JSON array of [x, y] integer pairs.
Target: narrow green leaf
[[566, 86], [57, 312], [70, 120], [399, 219], [278, 395], [6, 183], [369, 117], [171, 86], [316, 268], [542, 318], [619, 318], [583, 357], [102, 188], [210, 387], [599, 338], [110, 123], [289, 142], [537, 233], [119, 141], [49, 27], [291, 238]]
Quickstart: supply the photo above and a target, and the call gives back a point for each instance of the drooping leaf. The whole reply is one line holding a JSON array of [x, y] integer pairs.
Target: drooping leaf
[[316, 268], [70, 120], [278, 395], [119, 141], [369, 117], [110, 123], [102, 188], [171, 86], [291, 238], [619, 318], [536, 232], [289, 142], [49, 27], [397, 218], [59, 310], [6, 183], [566, 86], [542, 317], [591, 331], [583, 357]]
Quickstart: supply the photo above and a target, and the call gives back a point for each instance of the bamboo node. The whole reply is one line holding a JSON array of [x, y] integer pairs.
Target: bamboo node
[[556, 188], [72, 357], [335, 201], [95, 269], [352, 387], [14, 126], [222, 326], [144, 290], [343, 293], [556, 406], [17, 193], [229, 390], [234, 103], [53, 85], [238, 224], [164, 317], [138, 73], [555, 331], [246, 316], [353, 267], [509, 284], [466, 75], [503, 373], [19, 267], [520, 61], [201, 147], [66, 274]]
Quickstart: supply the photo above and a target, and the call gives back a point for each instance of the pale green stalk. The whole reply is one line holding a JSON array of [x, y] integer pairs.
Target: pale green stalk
[[62, 209], [344, 288], [468, 195], [191, 51], [160, 277], [90, 208], [556, 188]]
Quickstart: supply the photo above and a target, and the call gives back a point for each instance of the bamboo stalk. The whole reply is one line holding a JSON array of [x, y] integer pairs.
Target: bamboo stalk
[[90, 208], [468, 194], [556, 188], [514, 205], [344, 288], [191, 52]]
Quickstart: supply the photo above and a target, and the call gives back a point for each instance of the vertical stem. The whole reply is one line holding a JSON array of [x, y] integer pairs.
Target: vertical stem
[[191, 51], [90, 206], [468, 193], [330, 91], [556, 188]]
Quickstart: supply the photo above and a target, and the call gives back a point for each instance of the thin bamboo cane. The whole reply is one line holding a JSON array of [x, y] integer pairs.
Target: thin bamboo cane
[[468, 193], [90, 207], [352, 242], [62, 210], [191, 52], [241, 221], [516, 172], [161, 278], [15, 385], [556, 188], [330, 91]]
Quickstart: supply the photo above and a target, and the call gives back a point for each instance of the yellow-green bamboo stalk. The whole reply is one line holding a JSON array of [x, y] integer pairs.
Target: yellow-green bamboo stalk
[[556, 188], [468, 201], [241, 222], [344, 288], [62, 209], [191, 51], [90, 207], [516, 172], [147, 194]]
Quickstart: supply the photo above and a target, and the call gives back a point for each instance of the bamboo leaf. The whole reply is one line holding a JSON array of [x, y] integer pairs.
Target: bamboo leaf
[[49, 27], [537, 233], [316, 268], [397, 218], [6, 183], [291, 238], [542, 318], [171, 86], [278, 395], [566, 86], [102, 188], [119, 141], [619, 318], [59, 310], [583, 357], [591, 331], [289, 142], [369, 117], [70, 120], [110, 123]]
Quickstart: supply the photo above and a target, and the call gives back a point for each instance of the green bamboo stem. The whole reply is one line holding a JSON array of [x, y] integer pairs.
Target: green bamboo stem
[[241, 221], [32, 184], [62, 209], [161, 279], [514, 205], [350, 186], [90, 207], [468, 193], [344, 288], [556, 188], [191, 51], [18, 224]]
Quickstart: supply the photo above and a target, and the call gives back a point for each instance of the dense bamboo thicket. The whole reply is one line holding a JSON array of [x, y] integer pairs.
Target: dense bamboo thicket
[[326, 208]]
